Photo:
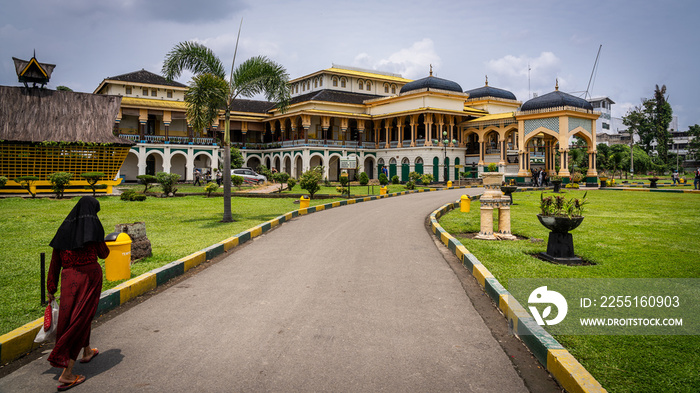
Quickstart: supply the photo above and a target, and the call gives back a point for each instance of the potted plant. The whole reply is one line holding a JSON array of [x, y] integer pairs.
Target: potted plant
[[561, 216], [603, 176]]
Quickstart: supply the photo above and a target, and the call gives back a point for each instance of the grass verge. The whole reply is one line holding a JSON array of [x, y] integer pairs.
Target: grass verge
[[626, 234], [176, 227]]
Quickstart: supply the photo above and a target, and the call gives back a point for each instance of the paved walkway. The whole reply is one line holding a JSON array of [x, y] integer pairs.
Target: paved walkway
[[356, 298]]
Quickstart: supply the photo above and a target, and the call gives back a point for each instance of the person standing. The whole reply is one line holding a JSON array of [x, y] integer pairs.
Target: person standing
[[77, 244], [674, 177], [219, 178], [197, 177], [696, 184]]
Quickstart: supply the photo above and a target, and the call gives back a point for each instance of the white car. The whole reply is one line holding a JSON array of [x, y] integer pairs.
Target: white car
[[249, 176]]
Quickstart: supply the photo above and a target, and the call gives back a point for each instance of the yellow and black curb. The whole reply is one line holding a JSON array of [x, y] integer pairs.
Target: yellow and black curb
[[21, 340], [647, 189], [557, 360]]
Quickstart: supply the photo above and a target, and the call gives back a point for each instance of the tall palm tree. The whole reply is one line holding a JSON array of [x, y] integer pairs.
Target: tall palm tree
[[209, 91]]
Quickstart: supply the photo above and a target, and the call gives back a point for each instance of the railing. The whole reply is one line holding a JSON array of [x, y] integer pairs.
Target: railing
[[130, 137], [173, 139], [154, 138], [179, 139]]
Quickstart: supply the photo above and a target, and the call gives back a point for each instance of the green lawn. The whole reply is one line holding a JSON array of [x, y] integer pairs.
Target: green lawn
[[176, 227], [626, 234]]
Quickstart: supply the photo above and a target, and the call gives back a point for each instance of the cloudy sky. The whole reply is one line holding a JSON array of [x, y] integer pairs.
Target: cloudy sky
[[644, 42]]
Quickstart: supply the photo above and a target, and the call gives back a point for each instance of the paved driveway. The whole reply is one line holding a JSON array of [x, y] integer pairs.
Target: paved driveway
[[356, 298]]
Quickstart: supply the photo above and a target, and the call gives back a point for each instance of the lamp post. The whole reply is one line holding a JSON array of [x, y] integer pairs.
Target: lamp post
[[445, 141]]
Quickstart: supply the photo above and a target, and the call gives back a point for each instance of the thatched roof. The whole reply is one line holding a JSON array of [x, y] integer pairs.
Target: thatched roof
[[37, 115]]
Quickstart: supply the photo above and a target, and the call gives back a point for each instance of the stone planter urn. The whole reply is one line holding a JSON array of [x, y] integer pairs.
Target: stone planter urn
[[508, 191], [652, 182], [560, 246], [603, 181], [557, 185], [492, 199]]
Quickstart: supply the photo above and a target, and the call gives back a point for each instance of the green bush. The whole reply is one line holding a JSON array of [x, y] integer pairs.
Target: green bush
[[237, 181], [59, 182], [211, 187], [410, 185], [395, 179], [383, 180], [414, 177], [3, 181], [167, 182], [493, 167], [309, 180], [131, 195], [281, 178], [263, 170], [291, 182], [364, 179], [426, 179]]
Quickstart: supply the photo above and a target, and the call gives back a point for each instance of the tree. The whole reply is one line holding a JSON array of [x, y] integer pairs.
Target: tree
[[237, 181], [63, 88], [236, 158], [309, 180], [92, 178], [147, 180], [210, 92], [27, 182], [650, 122], [694, 145], [59, 182]]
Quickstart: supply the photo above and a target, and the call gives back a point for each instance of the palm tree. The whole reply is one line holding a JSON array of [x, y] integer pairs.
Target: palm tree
[[209, 91]]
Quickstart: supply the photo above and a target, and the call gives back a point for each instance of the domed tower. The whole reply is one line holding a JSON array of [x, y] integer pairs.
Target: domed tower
[[431, 83], [552, 120]]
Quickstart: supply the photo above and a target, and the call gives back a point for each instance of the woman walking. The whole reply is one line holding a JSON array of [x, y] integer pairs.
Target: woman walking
[[78, 243]]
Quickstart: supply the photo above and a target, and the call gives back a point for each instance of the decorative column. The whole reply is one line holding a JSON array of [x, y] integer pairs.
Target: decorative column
[[167, 117], [504, 222], [143, 118], [414, 124], [399, 125], [428, 120], [493, 198], [325, 125], [344, 128], [452, 129], [482, 150], [360, 131], [244, 131], [386, 132], [564, 162], [306, 123]]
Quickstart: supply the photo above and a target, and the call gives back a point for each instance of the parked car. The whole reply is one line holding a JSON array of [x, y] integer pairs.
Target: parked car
[[249, 176]]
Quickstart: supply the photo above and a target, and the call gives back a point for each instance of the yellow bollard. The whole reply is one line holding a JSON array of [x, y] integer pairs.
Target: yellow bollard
[[382, 191], [118, 263], [449, 183], [304, 202], [465, 204]]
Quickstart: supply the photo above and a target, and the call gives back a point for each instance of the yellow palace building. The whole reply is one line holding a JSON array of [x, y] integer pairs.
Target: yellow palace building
[[374, 119]]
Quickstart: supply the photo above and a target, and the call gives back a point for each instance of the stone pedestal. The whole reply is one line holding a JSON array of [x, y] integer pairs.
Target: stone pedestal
[[504, 224], [493, 198], [140, 245]]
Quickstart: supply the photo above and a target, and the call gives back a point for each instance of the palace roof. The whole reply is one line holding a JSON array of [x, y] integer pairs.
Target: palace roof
[[38, 115], [341, 97], [488, 91], [143, 77], [431, 83], [555, 99]]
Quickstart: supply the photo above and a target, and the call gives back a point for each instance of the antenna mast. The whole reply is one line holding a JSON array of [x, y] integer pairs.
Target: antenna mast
[[595, 65]]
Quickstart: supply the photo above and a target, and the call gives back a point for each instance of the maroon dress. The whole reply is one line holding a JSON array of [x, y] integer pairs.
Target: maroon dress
[[81, 285]]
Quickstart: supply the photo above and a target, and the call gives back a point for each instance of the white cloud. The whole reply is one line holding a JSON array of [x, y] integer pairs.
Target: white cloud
[[412, 62]]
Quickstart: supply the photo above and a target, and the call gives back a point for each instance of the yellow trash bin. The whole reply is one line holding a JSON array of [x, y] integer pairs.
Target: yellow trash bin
[[382, 190], [118, 263], [465, 204], [304, 202], [449, 183]]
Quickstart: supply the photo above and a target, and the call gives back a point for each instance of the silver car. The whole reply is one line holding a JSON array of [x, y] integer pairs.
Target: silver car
[[249, 176]]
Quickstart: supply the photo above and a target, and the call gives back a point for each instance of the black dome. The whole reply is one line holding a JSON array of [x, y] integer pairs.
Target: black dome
[[488, 91], [555, 99], [431, 82]]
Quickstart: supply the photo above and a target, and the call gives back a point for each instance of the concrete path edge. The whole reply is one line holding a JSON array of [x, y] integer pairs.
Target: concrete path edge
[[557, 360], [20, 341]]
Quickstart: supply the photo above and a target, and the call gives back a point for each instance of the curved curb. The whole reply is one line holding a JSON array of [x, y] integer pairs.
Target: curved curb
[[647, 189], [20, 341], [557, 360]]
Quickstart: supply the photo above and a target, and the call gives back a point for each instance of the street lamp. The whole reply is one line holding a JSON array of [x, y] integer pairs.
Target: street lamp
[[445, 141]]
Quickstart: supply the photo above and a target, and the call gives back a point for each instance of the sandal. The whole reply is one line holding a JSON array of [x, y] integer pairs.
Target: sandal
[[78, 381]]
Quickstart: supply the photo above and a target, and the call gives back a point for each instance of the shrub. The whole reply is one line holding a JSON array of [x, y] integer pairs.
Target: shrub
[[326, 182], [576, 177], [263, 170], [27, 182], [493, 167], [92, 178], [559, 206], [131, 195], [147, 180], [395, 179], [281, 178], [383, 180], [572, 185], [410, 185], [167, 182], [414, 177], [465, 174], [426, 179], [291, 182], [309, 180], [364, 179], [237, 181], [3, 181], [59, 182], [211, 187]]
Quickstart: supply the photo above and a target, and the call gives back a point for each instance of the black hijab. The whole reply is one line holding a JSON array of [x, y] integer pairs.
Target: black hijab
[[81, 226]]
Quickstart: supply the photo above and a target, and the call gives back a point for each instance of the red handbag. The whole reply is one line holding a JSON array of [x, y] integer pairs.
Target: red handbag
[[48, 315]]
